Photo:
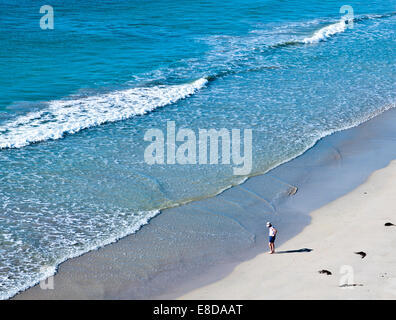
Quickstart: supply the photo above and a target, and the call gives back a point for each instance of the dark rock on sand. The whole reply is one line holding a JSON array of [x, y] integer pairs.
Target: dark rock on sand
[[325, 272], [389, 224], [361, 253]]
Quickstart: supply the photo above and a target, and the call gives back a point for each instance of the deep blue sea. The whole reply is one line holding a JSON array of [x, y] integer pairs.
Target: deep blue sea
[[77, 100]]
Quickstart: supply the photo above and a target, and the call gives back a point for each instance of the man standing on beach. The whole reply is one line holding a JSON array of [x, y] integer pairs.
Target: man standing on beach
[[272, 235]]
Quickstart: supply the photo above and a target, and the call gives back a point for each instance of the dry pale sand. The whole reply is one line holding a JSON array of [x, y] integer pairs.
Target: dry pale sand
[[352, 223]]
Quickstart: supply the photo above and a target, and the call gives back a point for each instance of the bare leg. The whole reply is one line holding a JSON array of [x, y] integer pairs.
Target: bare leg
[[270, 247]]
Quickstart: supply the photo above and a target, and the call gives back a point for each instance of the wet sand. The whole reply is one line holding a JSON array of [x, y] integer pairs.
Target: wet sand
[[346, 252], [198, 249]]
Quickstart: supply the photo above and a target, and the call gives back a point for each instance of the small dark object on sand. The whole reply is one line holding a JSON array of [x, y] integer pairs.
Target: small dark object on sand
[[362, 254], [292, 191], [389, 224], [325, 272], [351, 285]]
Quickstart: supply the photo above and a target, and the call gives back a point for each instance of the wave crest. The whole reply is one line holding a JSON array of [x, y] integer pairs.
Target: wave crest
[[326, 32], [70, 116]]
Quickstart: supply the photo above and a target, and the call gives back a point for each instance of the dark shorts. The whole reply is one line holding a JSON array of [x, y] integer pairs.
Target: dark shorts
[[272, 239]]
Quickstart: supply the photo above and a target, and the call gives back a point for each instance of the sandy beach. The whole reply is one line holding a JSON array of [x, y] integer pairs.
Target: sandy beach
[[352, 223], [340, 208]]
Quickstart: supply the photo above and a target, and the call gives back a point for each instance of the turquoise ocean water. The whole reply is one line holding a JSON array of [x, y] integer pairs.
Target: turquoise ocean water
[[77, 100]]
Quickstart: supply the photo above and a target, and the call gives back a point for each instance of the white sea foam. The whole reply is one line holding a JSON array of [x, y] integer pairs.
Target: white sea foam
[[326, 32], [62, 117], [24, 280]]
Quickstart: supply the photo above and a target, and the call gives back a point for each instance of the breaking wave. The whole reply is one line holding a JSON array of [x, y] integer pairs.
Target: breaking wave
[[62, 117]]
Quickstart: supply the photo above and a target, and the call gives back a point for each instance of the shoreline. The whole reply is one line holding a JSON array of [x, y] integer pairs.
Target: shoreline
[[339, 231], [110, 272]]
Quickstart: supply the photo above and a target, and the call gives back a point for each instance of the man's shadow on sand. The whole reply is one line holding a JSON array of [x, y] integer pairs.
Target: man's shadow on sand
[[295, 251]]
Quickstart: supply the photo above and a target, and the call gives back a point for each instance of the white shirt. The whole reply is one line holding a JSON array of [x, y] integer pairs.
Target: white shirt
[[271, 231]]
